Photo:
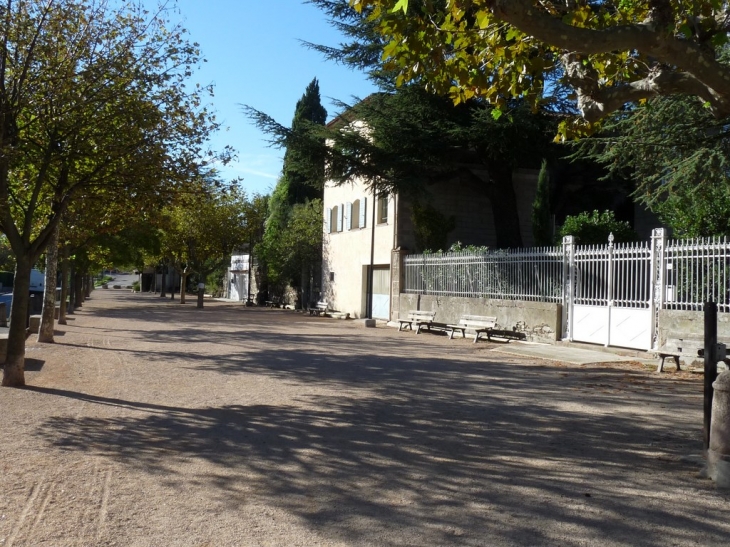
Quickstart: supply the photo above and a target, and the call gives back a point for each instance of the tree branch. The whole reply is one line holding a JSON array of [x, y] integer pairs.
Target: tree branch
[[698, 67]]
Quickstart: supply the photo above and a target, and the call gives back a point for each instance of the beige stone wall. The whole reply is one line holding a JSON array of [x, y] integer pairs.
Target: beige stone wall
[[690, 324], [538, 321], [346, 254]]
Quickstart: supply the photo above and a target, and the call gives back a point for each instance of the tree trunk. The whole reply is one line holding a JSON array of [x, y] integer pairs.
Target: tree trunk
[[162, 283], [501, 194], [78, 292], [201, 293], [72, 290], [14, 369], [183, 285], [64, 288], [45, 332], [89, 286]]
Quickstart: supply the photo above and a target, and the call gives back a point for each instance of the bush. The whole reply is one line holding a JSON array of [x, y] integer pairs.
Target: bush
[[594, 228], [135, 286]]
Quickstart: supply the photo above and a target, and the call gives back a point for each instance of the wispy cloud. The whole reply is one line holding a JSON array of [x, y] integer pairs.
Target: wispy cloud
[[246, 170]]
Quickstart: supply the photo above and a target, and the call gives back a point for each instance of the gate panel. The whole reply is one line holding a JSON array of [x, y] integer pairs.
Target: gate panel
[[630, 328], [590, 324]]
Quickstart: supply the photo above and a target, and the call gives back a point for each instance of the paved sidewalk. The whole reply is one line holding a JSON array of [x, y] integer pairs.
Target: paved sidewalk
[[568, 354]]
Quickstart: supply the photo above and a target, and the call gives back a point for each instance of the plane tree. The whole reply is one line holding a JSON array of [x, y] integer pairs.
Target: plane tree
[[201, 230], [607, 52], [93, 100]]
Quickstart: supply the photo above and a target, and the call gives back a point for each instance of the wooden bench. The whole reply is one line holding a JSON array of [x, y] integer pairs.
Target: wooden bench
[[421, 319], [275, 302], [478, 323], [320, 308], [689, 348]]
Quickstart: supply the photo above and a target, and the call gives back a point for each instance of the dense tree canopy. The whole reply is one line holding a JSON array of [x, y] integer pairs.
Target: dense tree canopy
[[303, 171], [678, 155], [414, 138], [609, 52], [290, 247], [93, 101]]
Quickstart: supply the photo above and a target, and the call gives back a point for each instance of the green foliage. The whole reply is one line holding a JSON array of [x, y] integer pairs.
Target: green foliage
[[594, 228], [7, 259], [459, 247], [405, 140], [541, 214], [292, 238], [499, 51], [431, 227], [677, 153], [200, 233], [295, 245], [303, 170], [135, 286]]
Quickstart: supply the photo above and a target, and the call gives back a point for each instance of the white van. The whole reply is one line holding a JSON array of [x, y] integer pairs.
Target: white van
[[37, 281]]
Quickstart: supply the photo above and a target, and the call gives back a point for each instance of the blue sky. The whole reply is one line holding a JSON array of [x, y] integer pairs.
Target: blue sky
[[255, 58]]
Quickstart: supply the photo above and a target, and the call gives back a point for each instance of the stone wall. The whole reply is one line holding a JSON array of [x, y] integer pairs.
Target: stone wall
[[539, 321], [675, 323]]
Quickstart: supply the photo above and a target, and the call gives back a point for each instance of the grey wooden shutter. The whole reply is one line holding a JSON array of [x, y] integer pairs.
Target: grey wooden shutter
[[363, 212], [340, 214], [348, 216]]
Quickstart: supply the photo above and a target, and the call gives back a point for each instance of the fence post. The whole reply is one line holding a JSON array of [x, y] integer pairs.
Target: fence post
[[568, 286], [658, 289], [710, 309], [397, 280], [610, 291]]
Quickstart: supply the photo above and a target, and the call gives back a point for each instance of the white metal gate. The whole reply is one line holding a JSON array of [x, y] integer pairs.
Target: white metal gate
[[610, 294]]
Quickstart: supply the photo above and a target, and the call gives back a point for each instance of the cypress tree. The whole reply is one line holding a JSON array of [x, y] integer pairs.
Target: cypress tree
[[541, 217], [304, 171]]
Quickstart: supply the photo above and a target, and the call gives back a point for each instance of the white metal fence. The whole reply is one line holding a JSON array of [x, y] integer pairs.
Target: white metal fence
[[534, 274], [676, 274], [696, 271]]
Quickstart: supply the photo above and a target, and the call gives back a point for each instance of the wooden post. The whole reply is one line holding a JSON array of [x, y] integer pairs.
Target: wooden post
[[710, 309]]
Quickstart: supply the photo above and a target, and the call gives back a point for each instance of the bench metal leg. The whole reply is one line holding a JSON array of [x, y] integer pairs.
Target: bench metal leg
[[660, 368]]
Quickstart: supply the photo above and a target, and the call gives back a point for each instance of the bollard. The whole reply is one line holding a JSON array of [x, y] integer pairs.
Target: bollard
[[718, 455], [201, 294], [710, 354]]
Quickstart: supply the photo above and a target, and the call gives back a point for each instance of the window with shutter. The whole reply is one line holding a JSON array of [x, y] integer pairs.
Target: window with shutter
[[363, 212], [340, 215], [382, 211], [333, 220], [348, 216], [355, 215]]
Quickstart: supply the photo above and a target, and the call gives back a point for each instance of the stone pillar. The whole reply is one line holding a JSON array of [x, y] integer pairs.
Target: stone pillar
[[397, 280], [718, 456]]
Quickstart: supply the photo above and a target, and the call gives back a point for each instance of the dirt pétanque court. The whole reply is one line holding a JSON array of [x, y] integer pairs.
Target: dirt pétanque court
[[155, 424]]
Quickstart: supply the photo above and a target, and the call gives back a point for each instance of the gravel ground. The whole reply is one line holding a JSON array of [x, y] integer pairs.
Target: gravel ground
[[154, 424]]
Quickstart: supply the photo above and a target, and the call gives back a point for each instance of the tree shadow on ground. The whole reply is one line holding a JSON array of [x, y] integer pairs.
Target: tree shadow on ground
[[436, 443], [461, 445]]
